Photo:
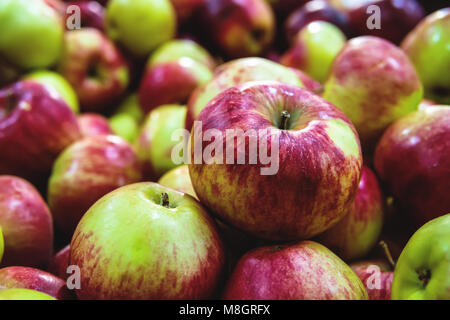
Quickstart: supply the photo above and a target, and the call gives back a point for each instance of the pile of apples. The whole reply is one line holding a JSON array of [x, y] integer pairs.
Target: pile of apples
[[99, 98]]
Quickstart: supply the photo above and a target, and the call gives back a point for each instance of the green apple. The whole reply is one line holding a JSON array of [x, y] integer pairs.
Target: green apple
[[155, 143], [178, 179], [23, 294], [314, 49], [59, 83], [2, 245], [422, 271], [126, 121], [31, 33], [140, 25]]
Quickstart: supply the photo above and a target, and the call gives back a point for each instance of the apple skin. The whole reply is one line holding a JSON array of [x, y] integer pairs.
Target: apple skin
[[23, 294], [303, 270], [92, 124], [2, 244], [59, 263], [314, 49], [92, 14], [373, 82], [147, 251], [23, 23], [305, 197], [140, 38], [421, 272], [27, 224], [178, 179], [240, 28], [427, 48], [233, 73], [308, 82], [94, 67], [412, 160], [86, 171], [35, 126], [127, 119], [154, 144], [358, 232], [34, 279], [368, 270]]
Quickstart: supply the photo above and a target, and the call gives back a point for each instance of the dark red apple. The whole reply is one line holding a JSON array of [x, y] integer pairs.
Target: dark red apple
[[59, 263], [91, 13], [92, 124]]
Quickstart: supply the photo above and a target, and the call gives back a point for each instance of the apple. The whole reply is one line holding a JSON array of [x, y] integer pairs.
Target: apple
[[233, 73], [421, 272], [54, 81], [376, 275], [303, 270], [86, 171], [26, 224], [35, 279], [308, 82], [373, 82], [178, 179], [94, 67], [426, 103], [59, 263], [413, 160], [23, 294], [427, 47], [126, 121], [146, 241], [314, 49], [2, 244], [358, 232], [155, 142], [92, 14], [140, 36], [239, 28], [308, 183], [24, 24], [92, 124]]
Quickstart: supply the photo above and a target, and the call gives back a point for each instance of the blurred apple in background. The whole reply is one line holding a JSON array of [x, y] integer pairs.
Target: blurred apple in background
[[428, 47], [126, 120], [86, 171], [178, 178], [94, 67], [376, 275], [59, 263], [92, 124], [23, 294], [314, 49], [92, 14], [412, 159], [26, 224]]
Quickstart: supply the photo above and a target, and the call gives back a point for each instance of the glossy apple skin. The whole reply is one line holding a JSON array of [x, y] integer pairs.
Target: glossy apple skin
[[86, 171], [27, 224], [304, 270], [373, 83], [305, 196], [147, 251], [427, 47], [413, 160], [35, 127], [358, 232], [93, 124], [92, 14], [59, 263], [178, 178], [421, 272], [373, 273], [240, 28], [94, 67], [34, 279], [233, 73], [23, 294]]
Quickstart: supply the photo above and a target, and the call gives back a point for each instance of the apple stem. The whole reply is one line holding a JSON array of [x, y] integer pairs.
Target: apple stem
[[165, 199], [285, 116], [387, 253]]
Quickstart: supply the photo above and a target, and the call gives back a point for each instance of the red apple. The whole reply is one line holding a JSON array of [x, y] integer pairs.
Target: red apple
[[35, 126], [59, 263], [301, 271], [308, 82], [86, 171], [94, 67], [376, 275], [26, 224], [413, 160], [91, 13], [92, 124]]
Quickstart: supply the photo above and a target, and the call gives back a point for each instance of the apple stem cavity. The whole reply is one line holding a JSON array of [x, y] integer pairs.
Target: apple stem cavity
[[387, 253], [165, 199], [284, 120], [424, 276]]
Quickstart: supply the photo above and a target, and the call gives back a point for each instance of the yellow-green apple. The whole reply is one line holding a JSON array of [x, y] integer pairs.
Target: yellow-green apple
[[92, 14], [94, 67], [146, 241], [233, 73], [140, 36], [314, 49], [54, 81], [35, 126], [376, 275], [294, 169], [26, 224], [421, 272], [239, 28], [413, 160], [59, 263], [32, 33], [304, 270], [86, 171], [34, 279], [178, 178], [156, 141], [126, 120], [358, 232], [23, 294], [92, 124], [373, 82], [428, 47]]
